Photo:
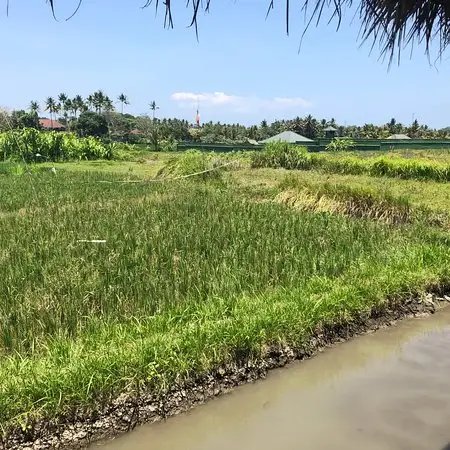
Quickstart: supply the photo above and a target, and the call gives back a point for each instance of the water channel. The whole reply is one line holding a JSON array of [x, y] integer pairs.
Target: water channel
[[385, 390]]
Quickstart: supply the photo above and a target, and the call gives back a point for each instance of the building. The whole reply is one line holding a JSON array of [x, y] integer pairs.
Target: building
[[289, 137], [398, 136], [330, 132], [48, 124]]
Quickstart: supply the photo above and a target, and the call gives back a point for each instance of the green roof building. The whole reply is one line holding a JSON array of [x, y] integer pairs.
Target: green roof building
[[289, 137]]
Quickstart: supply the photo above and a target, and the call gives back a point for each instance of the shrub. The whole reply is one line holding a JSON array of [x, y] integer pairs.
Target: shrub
[[340, 145], [33, 145], [282, 155]]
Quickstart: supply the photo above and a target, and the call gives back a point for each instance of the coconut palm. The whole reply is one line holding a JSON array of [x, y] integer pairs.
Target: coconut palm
[[98, 101], [153, 107], [107, 104], [62, 99], [52, 107], [67, 108], [77, 105], [90, 102], [34, 109], [123, 100], [310, 127]]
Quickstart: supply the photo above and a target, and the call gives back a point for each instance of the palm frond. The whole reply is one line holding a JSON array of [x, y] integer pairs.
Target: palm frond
[[393, 24]]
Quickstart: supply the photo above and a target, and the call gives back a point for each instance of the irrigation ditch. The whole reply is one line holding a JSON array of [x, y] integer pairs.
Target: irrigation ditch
[[84, 427]]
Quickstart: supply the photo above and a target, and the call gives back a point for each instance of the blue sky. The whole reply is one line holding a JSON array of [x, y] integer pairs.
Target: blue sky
[[243, 69]]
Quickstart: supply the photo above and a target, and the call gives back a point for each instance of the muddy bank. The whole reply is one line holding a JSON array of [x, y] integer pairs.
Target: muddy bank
[[126, 412], [377, 391]]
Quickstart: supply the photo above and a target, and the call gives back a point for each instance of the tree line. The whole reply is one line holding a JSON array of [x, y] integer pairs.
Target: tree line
[[99, 115]]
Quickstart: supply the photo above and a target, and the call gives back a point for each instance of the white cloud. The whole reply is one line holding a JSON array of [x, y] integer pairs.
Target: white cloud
[[214, 98], [292, 101], [238, 103]]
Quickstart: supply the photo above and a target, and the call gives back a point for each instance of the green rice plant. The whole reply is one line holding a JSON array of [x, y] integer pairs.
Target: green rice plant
[[187, 246], [107, 287], [43, 188]]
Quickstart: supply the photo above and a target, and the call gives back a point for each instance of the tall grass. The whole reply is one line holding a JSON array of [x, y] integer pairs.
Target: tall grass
[[189, 276], [207, 166], [280, 155]]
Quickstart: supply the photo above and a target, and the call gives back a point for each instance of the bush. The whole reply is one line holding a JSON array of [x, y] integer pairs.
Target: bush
[[33, 145], [340, 145], [168, 145], [282, 155], [91, 124]]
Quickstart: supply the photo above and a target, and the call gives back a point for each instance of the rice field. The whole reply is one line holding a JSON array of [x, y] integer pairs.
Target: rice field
[[107, 287], [394, 165]]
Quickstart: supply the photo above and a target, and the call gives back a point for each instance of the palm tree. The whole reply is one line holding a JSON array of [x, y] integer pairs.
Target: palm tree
[[62, 99], [34, 109], [107, 104], [310, 127], [52, 107], [123, 100], [153, 107], [67, 107], [77, 104], [90, 101], [98, 101], [390, 23]]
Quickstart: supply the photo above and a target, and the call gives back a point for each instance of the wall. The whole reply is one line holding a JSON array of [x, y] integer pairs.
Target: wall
[[319, 145]]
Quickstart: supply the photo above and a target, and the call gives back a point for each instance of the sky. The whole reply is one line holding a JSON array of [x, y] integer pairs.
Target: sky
[[243, 68]]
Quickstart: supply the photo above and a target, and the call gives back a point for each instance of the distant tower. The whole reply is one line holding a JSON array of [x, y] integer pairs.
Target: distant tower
[[197, 117]]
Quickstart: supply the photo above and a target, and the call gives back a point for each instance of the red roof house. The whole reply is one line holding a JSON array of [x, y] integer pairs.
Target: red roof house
[[48, 124]]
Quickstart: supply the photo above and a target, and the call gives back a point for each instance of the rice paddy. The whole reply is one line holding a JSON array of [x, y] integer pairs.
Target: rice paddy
[[395, 165], [109, 287]]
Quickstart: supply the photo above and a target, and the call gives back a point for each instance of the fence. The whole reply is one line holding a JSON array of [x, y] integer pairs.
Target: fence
[[319, 145], [387, 144], [220, 148]]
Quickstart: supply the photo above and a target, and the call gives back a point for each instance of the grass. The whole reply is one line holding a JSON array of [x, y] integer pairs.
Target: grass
[[192, 275]]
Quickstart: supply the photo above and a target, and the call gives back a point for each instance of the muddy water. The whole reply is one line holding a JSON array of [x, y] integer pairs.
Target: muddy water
[[386, 390]]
